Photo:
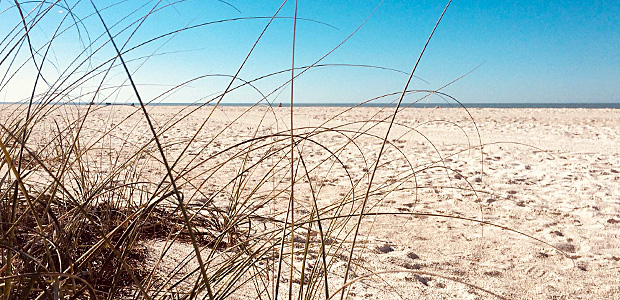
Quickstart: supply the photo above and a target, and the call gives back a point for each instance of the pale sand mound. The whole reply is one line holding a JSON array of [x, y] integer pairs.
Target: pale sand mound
[[555, 176], [550, 175]]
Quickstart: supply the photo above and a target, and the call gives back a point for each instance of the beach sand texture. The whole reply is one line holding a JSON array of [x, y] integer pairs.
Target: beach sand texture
[[550, 178]]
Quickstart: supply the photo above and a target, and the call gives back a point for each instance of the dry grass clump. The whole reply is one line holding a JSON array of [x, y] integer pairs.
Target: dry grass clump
[[66, 233], [144, 207]]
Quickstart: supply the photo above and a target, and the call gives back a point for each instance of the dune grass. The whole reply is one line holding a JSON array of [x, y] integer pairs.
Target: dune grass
[[106, 202]]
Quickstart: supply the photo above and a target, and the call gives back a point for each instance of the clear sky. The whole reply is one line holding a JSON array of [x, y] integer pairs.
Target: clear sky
[[530, 51]]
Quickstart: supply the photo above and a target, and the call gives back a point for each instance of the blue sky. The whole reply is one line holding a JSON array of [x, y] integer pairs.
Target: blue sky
[[530, 51]]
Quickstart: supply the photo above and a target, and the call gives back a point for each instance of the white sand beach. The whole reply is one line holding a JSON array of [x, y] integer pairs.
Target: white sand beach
[[513, 203]]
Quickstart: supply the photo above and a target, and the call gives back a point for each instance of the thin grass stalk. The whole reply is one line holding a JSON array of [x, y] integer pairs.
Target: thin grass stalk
[[169, 171], [292, 125], [402, 95]]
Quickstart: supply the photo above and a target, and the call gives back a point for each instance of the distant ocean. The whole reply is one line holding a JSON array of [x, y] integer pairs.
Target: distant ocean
[[447, 105], [416, 105]]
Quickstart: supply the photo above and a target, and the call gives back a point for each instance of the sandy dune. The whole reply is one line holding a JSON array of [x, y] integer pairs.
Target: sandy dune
[[549, 178]]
